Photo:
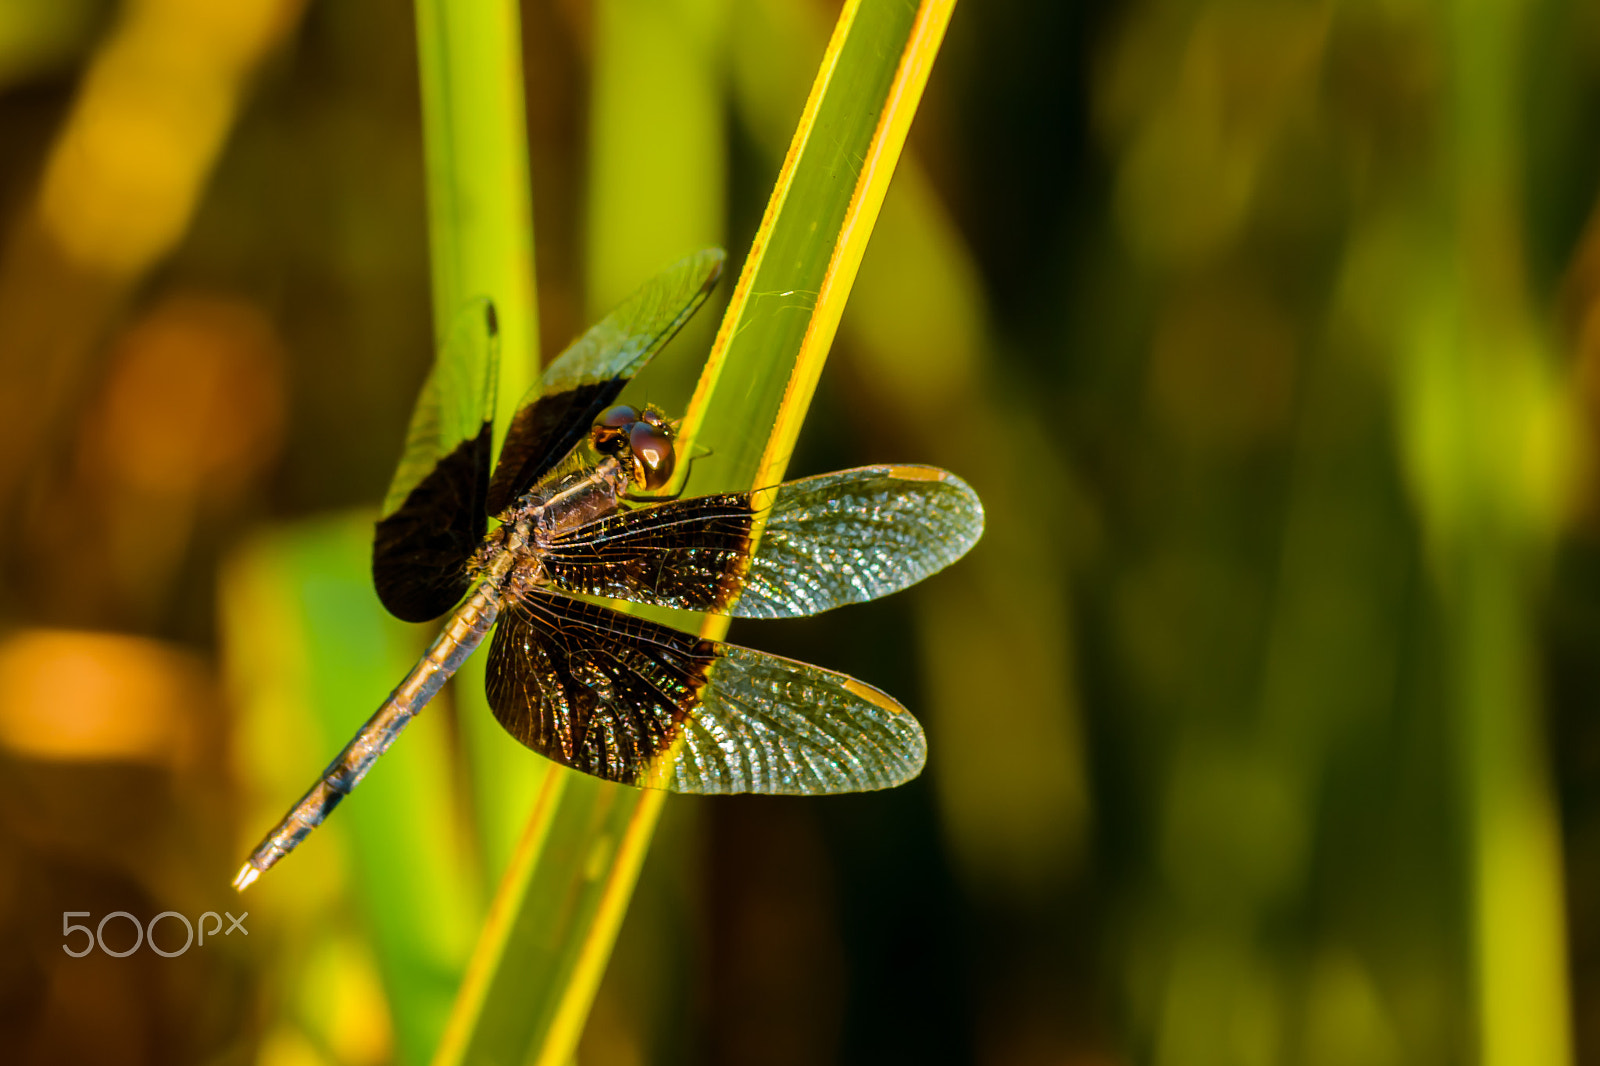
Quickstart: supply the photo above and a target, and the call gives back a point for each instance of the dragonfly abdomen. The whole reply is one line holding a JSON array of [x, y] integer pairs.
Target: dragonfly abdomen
[[468, 625]]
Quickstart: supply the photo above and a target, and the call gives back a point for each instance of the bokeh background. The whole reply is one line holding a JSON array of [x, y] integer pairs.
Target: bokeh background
[[1263, 722]]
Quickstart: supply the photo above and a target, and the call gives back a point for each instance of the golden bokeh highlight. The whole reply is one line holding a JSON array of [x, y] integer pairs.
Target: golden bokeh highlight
[[152, 113], [91, 697], [190, 415], [195, 400]]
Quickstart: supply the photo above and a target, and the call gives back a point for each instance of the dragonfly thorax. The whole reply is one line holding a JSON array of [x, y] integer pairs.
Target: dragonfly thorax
[[510, 554], [572, 500], [637, 451]]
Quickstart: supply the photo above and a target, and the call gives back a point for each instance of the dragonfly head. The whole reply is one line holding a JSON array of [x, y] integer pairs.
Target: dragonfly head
[[642, 440]]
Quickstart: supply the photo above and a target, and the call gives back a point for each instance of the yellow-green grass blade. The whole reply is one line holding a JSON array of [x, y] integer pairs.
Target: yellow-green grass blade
[[657, 159], [806, 254], [334, 653], [657, 162], [749, 405], [480, 234], [480, 220], [656, 188], [1490, 445], [917, 338]]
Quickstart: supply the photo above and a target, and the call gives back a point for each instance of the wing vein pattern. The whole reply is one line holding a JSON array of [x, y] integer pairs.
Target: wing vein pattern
[[585, 378], [628, 700], [839, 538]]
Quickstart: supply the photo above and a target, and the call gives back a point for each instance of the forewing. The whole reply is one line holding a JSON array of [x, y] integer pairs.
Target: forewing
[[587, 377], [628, 700], [435, 513], [690, 553], [838, 538]]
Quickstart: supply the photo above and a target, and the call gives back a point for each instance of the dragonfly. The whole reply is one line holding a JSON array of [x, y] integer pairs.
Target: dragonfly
[[582, 512]]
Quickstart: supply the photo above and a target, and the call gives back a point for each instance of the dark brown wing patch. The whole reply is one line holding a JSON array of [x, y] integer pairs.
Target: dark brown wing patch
[[584, 379], [591, 688], [541, 435], [691, 554], [420, 552]]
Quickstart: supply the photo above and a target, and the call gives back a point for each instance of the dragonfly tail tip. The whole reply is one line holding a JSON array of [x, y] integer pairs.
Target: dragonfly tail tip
[[246, 877]]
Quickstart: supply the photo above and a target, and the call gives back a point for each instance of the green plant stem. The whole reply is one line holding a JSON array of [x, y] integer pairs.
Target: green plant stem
[[480, 235], [565, 908]]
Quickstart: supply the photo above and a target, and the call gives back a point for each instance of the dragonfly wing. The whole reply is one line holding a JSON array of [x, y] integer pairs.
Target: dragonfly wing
[[435, 513], [587, 377], [856, 535], [628, 700], [691, 554], [772, 725], [838, 538]]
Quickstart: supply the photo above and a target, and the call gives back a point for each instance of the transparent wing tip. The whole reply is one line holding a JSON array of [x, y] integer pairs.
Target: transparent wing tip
[[972, 511], [961, 508], [710, 261]]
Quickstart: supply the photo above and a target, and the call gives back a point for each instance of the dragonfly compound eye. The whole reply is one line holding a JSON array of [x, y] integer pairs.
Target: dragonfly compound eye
[[619, 417], [651, 447], [610, 431]]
